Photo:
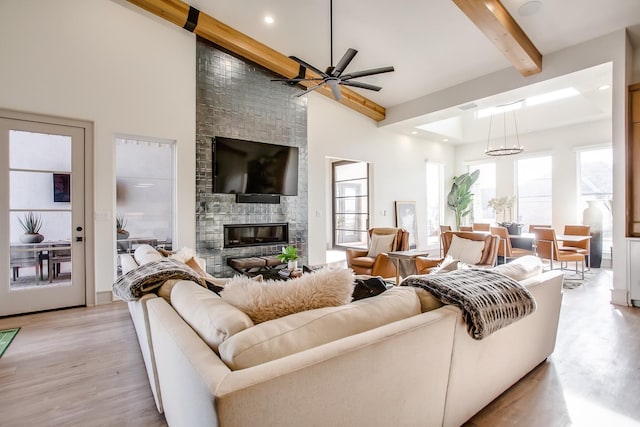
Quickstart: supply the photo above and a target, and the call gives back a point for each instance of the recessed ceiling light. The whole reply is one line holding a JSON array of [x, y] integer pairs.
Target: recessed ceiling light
[[415, 132], [604, 87], [445, 140], [530, 8], [268, 19]]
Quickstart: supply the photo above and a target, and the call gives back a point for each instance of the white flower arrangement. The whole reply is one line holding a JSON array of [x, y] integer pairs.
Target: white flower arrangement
[[501, 205]]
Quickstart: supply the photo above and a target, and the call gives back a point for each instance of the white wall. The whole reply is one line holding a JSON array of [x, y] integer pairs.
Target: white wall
[[113, 64], [561, 144], [397, 167]]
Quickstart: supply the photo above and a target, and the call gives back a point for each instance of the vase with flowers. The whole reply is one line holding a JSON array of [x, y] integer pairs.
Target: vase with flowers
[[503, 206]]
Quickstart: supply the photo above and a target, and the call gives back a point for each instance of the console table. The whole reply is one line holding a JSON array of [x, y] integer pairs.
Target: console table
[[408, 264]]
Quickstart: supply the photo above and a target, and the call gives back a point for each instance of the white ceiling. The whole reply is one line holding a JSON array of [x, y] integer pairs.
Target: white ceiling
[[433, 45]]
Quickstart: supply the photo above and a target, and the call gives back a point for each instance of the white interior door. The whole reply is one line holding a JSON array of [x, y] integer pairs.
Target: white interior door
[[42, 178]]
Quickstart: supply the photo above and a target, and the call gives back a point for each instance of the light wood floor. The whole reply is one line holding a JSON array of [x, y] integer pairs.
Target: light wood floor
[[82, 367]]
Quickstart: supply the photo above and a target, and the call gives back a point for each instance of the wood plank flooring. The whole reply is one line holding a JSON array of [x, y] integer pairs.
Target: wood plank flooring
[[83, 367], [75, 367]]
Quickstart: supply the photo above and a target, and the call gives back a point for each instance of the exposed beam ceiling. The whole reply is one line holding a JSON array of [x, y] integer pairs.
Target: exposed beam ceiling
[[205, 26], [491, 17]]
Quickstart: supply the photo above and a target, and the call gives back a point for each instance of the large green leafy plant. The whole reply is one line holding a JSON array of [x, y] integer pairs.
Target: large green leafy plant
[[460, 198]]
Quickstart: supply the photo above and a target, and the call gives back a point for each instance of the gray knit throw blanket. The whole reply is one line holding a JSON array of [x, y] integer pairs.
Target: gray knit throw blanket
[[488, 300], [148, 277]]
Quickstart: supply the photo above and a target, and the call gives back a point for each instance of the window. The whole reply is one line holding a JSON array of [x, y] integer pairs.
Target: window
[[144, 192], [435, 201], [534, 190], [484, 189], [350, 204], [595, 175]]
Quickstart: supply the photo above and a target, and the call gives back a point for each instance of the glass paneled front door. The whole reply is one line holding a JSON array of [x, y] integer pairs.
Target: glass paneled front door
[[42, 254]]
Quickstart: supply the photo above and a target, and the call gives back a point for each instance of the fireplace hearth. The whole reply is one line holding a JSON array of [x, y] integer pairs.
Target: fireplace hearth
[[242, 235]]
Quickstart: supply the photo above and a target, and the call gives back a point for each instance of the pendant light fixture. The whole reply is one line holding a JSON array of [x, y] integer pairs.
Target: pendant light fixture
[[504, 148]]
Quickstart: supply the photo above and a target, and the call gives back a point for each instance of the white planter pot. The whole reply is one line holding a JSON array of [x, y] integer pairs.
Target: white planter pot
[[292, 265]]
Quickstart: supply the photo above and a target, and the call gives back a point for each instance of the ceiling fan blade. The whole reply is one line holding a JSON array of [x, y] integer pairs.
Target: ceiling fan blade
[[311, 89], [344, 62], [335, 88], [309, 66], [365, 73], [361, 85], [295, 80]]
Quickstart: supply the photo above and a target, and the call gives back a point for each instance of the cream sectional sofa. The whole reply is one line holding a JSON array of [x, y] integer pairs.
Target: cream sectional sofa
[[378, 362]]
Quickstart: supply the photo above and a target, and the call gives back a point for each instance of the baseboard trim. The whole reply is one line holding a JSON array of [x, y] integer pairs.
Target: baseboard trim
[[620, 297], [104, 297]]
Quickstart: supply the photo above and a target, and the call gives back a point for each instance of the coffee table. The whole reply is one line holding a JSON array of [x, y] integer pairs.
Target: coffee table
[[408, 265]]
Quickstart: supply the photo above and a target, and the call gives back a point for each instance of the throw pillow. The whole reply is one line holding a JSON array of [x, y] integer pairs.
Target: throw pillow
[[521, 268], [366, 287], [381, 243], [271, 299], [208, 315], [145, 254], [466, 250]]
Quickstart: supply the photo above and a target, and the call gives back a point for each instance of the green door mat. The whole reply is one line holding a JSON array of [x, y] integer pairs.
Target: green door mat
[[6, 336]]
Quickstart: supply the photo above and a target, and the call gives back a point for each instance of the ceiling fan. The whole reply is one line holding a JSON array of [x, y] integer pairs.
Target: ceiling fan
[[333, 76]]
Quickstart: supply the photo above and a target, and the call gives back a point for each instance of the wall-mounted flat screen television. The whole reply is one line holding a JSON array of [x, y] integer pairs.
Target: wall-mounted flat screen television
[[250, 167]]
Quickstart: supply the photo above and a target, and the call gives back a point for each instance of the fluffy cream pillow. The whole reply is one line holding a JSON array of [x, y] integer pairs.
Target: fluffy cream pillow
[[381, 243], [271, 299], [466, 250]]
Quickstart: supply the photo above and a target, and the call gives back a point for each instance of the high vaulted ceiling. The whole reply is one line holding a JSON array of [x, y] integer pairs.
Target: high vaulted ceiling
[[433, 45]]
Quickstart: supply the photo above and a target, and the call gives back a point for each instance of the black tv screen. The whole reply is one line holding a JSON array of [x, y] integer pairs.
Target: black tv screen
[[250, 167]]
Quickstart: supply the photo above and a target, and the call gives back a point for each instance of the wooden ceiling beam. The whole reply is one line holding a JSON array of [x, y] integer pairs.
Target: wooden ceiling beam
[[207, 27], [491, 17]]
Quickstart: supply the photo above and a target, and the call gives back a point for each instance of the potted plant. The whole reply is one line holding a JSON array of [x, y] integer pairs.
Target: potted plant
[[460, 198], [31, 224], [121, 223], [289, 255]]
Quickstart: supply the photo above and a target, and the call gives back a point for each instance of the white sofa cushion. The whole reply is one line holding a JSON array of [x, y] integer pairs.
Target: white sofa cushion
[[271, 299], [521, 268], [212, 318], [300, 331]]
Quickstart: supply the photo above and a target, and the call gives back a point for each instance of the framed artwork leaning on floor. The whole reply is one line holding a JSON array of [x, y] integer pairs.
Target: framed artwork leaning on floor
[[406, 218]]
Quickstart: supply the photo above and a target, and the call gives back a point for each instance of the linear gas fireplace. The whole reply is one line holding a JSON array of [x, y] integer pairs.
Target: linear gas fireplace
[[240, 235]]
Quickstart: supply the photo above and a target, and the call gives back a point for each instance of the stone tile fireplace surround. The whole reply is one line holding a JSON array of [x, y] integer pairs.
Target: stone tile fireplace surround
[[236, 99]]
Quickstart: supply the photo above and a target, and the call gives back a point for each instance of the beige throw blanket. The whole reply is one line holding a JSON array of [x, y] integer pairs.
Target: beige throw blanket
[[488, 300]]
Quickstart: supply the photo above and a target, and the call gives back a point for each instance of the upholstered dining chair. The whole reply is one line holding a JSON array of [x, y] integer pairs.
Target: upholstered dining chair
[[534, 226], [582, 247], [443, 228], [466, 228], [547, 248], [481, 226], [453, 242], [375, 261], [505, 250]]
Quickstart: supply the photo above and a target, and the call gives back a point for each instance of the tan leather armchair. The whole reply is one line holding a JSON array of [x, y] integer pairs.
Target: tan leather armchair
[[380, 265], [489, 256], [505, 249]]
